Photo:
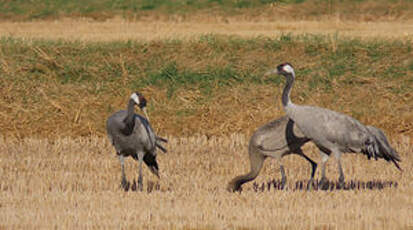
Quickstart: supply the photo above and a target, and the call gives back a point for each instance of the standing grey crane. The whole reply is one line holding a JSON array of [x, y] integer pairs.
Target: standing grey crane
[[276, 139], [333, 132], [132, 135]]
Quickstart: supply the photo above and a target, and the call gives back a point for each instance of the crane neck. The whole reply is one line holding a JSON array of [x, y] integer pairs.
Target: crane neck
[[237, 182], [256, 161], [131, 110], [129, 120], [286, 101]]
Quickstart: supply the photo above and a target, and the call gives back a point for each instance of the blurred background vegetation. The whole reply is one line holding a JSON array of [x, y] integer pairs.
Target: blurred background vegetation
[[134, 9]]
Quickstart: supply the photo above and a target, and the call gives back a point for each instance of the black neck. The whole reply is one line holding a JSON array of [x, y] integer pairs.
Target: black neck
[[287, 89]]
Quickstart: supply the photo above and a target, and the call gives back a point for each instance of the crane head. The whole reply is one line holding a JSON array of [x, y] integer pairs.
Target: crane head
[[285, 68], [140, 101]]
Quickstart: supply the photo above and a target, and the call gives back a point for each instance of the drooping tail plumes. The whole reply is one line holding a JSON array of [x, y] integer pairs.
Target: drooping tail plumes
[[158, 145], [379, 147], [150, 161]]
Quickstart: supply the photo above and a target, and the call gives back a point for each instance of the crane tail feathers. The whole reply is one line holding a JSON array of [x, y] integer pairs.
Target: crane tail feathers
[[161, 147], [379, 147], [161, 139], [150, 161], [397, 165]]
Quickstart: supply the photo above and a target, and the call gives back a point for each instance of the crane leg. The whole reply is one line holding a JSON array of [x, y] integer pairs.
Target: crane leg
[[283, 177], [124, 182], [340, 169], [140, 178], [324, 158], [313, 165]]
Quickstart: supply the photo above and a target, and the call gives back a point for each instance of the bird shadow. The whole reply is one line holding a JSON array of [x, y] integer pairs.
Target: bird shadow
[[150, 187], [317, 185]]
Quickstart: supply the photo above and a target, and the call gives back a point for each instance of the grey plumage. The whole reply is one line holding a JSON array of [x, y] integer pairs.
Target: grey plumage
[[385, 149], [132, 135], [275, 139], [334, 132]]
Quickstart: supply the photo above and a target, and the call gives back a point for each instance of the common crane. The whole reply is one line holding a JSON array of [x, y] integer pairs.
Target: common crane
[[275, 139], [332, 132], [132, 135]]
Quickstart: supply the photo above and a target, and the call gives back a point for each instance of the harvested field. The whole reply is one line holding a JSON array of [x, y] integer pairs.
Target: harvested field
[[74, 183]]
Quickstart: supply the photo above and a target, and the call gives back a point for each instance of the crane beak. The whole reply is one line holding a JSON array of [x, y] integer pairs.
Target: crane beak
[[146, 114], [271, 72]]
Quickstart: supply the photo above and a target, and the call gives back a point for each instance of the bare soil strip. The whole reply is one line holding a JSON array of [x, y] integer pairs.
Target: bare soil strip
[[119, 29]]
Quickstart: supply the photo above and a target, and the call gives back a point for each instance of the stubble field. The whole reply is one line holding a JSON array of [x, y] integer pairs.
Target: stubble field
[[61, 77], [75, 183]]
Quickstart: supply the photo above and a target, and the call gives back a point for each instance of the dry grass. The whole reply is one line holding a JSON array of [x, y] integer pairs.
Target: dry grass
[[57, 89], [74, 183], [119, 29]]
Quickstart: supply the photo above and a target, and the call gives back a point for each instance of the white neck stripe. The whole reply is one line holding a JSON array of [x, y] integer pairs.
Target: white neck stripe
[[135, 98]]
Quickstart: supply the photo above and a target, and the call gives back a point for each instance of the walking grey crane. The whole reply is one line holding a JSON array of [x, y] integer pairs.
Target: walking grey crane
[[132, 135], [276, 139], [332, 132]]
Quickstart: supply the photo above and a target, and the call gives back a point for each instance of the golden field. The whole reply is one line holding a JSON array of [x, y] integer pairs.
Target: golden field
[[74, 183]]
